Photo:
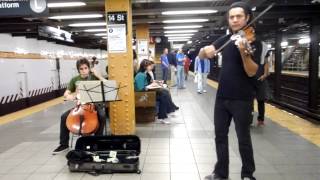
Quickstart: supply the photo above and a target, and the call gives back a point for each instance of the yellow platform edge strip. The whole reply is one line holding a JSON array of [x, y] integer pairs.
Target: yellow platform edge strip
[[28, 111], [298, 125]]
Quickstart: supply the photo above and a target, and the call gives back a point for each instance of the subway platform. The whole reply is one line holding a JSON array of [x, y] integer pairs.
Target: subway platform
[[287, 148]]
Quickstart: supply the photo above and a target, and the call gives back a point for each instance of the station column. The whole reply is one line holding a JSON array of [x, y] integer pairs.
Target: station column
[[120, 64]]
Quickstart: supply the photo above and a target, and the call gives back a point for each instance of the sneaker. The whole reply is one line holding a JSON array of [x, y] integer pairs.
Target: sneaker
[[60, 149], [260, 123], [199, 92], [163, 121], [247, 178], [214, 177], [205, 91]]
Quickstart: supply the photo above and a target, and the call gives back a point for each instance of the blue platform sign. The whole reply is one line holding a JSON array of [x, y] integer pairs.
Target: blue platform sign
[[24, 8]]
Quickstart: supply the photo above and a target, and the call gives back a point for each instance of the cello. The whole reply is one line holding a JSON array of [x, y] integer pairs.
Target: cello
[[83, 119]]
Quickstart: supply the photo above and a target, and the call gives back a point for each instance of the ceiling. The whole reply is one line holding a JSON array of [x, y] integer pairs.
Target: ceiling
[[284, 15]]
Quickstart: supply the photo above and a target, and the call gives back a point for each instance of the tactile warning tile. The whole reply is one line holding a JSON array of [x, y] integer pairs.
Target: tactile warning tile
[[298, 125]]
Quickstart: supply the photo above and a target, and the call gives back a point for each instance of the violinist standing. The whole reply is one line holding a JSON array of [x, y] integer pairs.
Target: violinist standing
[[235, 93], [85, 74]]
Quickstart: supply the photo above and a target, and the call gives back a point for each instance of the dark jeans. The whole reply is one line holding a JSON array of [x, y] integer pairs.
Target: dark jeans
[[166, 104], [64, 131], [240, 111], [261, 110], [165, 72]]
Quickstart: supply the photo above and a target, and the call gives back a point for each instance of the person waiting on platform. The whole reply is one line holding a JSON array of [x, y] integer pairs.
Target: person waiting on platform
[[261, 88], [180, 69], [201, 70], [141, 84], [85, 74], [164, 65]]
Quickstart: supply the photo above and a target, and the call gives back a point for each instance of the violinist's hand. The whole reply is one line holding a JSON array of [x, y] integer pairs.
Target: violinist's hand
[[241, 44], [209, 51], [262, 78]]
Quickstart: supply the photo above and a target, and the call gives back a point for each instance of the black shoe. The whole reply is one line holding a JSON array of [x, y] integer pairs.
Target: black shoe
[[214, 177], [60, 149]]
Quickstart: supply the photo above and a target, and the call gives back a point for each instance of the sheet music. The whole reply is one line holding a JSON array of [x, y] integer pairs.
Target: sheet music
[[91, 91]]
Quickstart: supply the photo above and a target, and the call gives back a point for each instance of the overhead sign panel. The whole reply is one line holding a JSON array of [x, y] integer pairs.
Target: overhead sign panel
[[23, 8], [117, 30]]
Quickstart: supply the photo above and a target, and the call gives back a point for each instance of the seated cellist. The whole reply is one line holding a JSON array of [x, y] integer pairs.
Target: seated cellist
[[85, 74]]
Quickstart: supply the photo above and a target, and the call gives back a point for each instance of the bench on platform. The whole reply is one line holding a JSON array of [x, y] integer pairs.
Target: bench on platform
[[145, 106]]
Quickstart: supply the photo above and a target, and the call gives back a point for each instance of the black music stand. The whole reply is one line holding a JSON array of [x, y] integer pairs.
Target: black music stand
[[98, 92]]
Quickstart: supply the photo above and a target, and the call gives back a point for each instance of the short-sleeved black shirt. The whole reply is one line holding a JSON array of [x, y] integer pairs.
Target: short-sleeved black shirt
[[234, 83]]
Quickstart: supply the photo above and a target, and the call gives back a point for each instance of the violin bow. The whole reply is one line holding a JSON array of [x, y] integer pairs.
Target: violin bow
[[249, 24]]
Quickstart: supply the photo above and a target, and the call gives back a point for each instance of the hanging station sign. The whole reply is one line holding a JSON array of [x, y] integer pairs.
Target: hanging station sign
[[23, 8], [117, 32]]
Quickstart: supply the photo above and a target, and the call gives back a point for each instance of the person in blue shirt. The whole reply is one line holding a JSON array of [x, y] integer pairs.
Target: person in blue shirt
[[141, 84], [180, 69], [165, 65], [202, 69]]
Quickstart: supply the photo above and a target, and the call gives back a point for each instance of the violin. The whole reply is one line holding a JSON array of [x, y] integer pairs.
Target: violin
[[246, 36], [83, 119], [247, 32]]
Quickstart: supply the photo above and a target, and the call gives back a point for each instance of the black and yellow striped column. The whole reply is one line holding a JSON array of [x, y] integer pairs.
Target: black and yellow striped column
[[120, 67]]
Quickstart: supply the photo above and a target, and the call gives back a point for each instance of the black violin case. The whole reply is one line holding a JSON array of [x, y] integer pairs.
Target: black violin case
[[105, 154]]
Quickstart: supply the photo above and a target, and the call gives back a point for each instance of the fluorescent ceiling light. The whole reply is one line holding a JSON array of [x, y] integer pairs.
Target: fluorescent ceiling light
[[181, 31], [189, 42], [101, 34], [284, 43], [95, 30], [183, 27], [79, 16], [185, 20], [105, 37], [88, 24], [181, 37], [65, 4], [178, 40], [304, 41], [172, 35], [182, 0], [205, 11]]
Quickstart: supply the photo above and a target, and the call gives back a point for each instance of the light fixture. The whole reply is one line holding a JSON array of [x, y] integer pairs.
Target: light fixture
[[65, 4], [180, 31], [173, 1], [178, 40], [185, 20], [88, 24], [304, 41], [180, 37], [205, 11], [172, 35], [95, 30], [105, 37], [189, 42], [79, 16], [183, 27], [284, 43], [101, 34]]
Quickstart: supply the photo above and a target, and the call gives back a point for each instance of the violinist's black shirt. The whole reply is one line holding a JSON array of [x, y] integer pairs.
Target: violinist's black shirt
[[234, 83]]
